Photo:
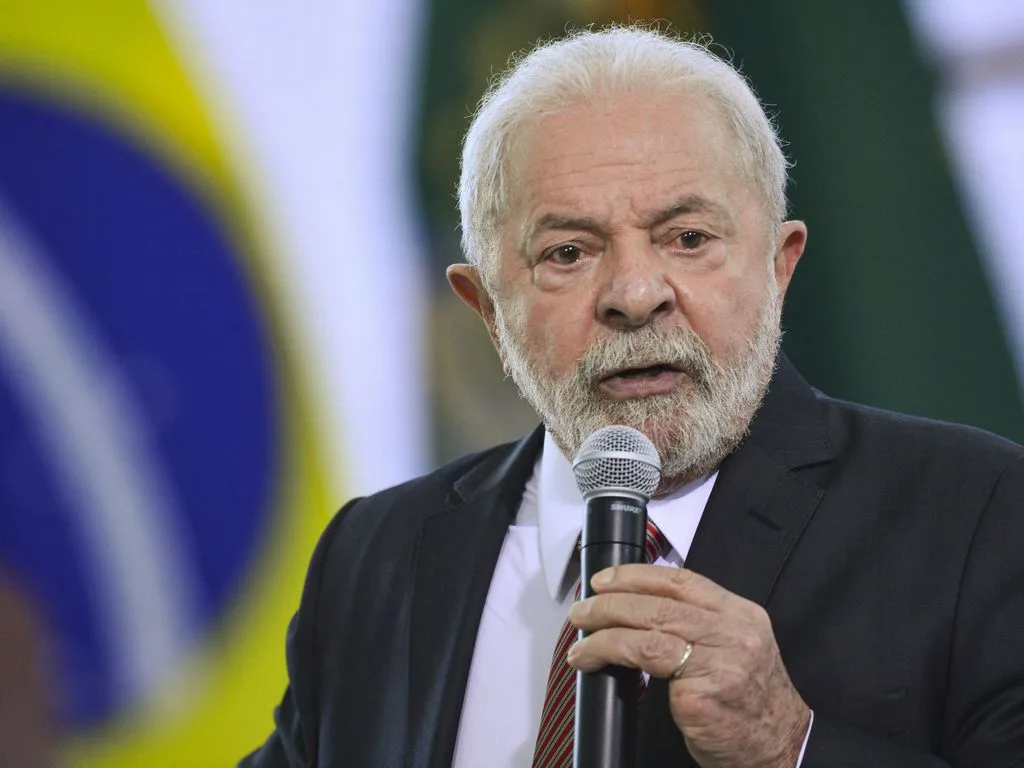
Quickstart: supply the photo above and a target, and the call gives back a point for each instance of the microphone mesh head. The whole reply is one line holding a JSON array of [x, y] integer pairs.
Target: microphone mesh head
[[617, 457]]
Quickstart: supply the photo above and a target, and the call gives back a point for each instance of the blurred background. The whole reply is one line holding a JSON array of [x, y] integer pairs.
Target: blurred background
[[223, 230]]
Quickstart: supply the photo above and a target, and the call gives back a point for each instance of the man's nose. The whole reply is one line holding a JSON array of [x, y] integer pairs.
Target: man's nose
[[636, 289]]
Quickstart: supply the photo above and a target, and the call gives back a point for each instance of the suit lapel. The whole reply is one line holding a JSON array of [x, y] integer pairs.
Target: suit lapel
[[762, 502], [763, 499], [749, 528], [456, 554]]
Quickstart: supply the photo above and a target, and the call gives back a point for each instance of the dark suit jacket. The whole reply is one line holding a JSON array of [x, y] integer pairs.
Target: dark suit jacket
[[888, 551]]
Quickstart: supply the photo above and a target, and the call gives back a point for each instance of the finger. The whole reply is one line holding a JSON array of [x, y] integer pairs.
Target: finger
[[676, 583], [657, 653], [632, 611]]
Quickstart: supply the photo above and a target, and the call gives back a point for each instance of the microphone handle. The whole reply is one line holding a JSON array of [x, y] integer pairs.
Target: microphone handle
[[607, 701]]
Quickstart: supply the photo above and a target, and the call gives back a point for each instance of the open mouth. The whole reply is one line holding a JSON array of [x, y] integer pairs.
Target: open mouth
[[643, 381], [645, 373]]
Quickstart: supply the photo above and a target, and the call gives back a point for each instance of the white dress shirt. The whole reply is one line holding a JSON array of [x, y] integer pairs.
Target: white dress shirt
[[531, 591]]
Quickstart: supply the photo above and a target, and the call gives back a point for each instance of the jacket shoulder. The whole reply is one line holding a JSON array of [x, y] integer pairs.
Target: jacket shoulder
[[389, 520], [430, 490], [853, 426]]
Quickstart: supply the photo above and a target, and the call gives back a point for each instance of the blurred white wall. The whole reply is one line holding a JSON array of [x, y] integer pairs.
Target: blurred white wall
[[320, 104], [977, 48]]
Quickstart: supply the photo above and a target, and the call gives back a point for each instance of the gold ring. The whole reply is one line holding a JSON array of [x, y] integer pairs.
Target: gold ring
[[682, 662]]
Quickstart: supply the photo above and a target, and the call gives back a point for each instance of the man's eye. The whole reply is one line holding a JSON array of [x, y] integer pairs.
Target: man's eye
[[565, 254], [691, 239]]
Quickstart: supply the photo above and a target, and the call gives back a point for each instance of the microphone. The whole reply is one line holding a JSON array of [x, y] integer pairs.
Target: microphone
[[617, 469]]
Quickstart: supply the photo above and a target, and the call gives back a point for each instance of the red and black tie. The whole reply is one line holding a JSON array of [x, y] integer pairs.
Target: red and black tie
[[555, 738]]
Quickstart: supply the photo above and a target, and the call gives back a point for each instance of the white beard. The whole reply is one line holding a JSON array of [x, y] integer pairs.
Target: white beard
[[693, 428]]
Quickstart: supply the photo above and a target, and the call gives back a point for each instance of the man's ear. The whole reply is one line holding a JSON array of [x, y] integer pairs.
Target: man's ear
[[792, 240], [465, 281]]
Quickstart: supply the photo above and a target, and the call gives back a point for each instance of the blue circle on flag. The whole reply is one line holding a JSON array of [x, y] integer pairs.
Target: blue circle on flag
[[145, 266]]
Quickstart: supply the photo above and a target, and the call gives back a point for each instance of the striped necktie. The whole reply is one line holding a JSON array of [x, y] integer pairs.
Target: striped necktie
[[557, 720]]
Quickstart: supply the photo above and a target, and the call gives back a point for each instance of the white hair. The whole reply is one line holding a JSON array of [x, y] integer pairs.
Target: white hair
[[578, 67]]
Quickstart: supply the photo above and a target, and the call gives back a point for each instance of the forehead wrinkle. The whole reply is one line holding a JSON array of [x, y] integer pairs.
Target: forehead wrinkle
[[622, 175], [640, 159]]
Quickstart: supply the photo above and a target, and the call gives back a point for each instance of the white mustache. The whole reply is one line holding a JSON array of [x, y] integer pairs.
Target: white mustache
[[678, 348]]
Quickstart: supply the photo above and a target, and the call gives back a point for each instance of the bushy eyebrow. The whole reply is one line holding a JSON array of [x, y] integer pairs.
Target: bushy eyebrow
[[691, 204], [555, 222], [685, 205]]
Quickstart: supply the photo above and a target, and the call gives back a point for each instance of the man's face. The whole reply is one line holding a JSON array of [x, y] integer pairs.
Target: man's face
[[637, 282]]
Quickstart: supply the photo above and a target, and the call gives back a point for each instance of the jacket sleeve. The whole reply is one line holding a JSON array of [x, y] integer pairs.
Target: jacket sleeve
[[833, 745], [984, 721], [983, 725], [293, 743]]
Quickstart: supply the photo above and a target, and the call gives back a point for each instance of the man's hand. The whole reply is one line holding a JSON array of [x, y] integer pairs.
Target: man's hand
[[734, 701]]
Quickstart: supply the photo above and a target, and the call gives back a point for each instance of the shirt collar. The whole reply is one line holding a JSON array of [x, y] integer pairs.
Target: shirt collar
[[560, 515]]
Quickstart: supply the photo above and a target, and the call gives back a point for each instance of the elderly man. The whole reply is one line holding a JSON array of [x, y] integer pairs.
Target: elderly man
[[836, 585]]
